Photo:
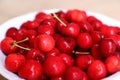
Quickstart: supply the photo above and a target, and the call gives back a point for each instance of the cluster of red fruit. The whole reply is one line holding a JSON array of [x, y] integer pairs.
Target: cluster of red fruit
[[62, 46]]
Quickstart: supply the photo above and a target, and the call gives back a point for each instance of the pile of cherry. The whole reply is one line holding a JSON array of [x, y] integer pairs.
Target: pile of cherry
[[62, 46]]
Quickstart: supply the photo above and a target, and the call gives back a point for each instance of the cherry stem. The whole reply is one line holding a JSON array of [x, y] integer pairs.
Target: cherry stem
[[77, 52], [55, 16], [15, 44], [26, 39]]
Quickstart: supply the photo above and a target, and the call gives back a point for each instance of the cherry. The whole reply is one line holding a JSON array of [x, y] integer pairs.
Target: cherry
[[20, 34], [50, 22], [71, 30], [97, 70], [11, 32], [85, 26], [84, 40], [46, 29], [40, 16], [14, 61], [112, 64], [108, 31], [36, 55], [84, 60], [107, 47], [53, 52], [30, 70], [116, 39], [76, 15], [67, 59], [97, 24], [6, 45], [31, 34], [30, 25], [95, 52], [45, 42], [75, 73], [54, 66], [66, 44], [96, 36]]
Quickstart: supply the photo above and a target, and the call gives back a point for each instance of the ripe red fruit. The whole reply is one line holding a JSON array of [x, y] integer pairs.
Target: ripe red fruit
[[107, 47], [71, 30], [108, 31], [53, 52], [83, 61], [84, 41], [67, 59], [11, 32], [14, 61], [6, 45], [112, 64], [116, 39], [97, 70], [30, 25], [36, 55], [50, 22], [30, 70], [45, 42], [85, 26], [66, 44], [54, 66], [95, 52], [75, 73], [96, 36], [76, 15], [46, 29]]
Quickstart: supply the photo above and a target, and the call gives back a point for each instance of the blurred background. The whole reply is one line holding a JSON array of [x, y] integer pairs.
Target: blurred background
[[12, 8]]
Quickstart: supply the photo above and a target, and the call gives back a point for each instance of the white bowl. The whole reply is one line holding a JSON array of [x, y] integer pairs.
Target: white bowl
[[16, 22]]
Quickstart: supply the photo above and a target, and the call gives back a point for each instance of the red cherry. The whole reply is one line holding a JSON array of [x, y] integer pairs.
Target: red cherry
[[76, 15], [30, 70], [50, 22], [60, 25], [112, 64], [36, 55], [116, 39], [30, 25], [75, 73], [96, 36], [85, 26], [31, 34], [14, 61], [95, 52], [11, 32], [67, 59], [66, 45], [45, 42], [46, 29], [53, 52], [107, 47], [97, 24], [108, 31], [54, 66], [97, 70], [83, 61], [71, 30], [6, 45], [84, 40]]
